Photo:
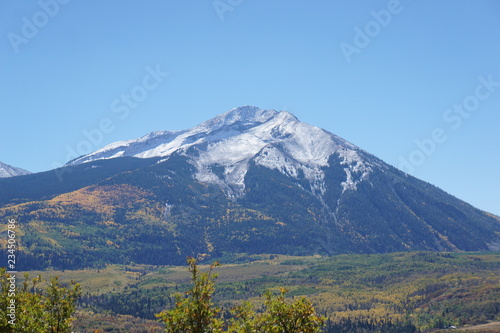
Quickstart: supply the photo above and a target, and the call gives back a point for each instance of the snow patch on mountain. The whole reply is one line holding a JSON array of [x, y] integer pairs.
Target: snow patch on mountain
[[11, 171], [355, 168], [164, 143], [282, 143], [230, 141]]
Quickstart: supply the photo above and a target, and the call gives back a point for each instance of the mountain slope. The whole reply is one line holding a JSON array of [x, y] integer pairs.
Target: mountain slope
[[247, 181], [10, 171], [221, 148]]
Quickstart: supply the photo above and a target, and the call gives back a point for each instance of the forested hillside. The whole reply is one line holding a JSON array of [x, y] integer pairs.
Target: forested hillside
[[405, 292]]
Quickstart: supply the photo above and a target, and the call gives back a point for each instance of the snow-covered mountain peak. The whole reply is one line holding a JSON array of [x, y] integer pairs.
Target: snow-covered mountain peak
[[10, 171], [242, 136], [287, 116], [283, 143], [244, 116], [164, 143]]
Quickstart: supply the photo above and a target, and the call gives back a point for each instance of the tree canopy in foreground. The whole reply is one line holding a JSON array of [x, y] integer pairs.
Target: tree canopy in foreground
[[195, 311]]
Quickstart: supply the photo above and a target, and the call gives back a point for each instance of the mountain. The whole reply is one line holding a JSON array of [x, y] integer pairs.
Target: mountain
[[223, 148], [248, 181], [10, 171]]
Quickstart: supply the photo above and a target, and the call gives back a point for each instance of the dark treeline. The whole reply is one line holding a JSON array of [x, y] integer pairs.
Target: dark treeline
[[357, 325]]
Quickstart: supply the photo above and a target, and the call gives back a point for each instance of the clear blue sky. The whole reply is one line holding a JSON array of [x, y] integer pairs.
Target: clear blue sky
[[65, 69]]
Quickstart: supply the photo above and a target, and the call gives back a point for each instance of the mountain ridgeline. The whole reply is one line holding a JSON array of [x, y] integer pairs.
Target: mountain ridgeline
[[11, 171], [247, 181]]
